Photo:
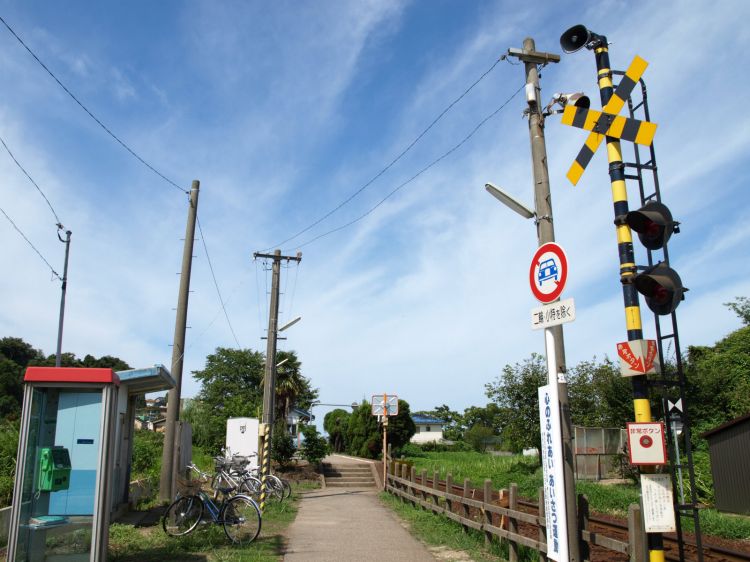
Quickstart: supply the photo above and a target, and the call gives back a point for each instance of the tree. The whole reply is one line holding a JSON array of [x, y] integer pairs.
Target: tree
[[741, 307], [478, 436], [515, 392], [230, 387], [719, 381], [292, 388], [491, 416], [362, 433], [335, 423], [599, 395], [401, 427], [315, 446], [453, 426]]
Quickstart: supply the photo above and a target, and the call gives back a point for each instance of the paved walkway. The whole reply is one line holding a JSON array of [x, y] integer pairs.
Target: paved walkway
[[345, 524]]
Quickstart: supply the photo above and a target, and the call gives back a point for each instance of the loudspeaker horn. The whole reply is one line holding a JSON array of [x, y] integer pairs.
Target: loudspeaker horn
[[574, 38]]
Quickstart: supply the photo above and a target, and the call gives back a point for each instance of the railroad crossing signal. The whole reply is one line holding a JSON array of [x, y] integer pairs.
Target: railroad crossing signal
[[607, 122]]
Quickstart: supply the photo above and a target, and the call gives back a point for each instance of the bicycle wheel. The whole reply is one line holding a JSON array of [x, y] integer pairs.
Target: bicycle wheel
[[287, 489], [241, 519], [251, 487], [274, 488], [182, 516]]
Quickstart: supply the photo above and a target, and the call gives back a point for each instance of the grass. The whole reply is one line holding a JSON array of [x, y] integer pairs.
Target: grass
[[207, 543], [525, 472], [436, 530]]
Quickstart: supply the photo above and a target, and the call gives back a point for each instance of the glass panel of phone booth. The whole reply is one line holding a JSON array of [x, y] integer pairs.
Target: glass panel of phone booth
[[57, 505]]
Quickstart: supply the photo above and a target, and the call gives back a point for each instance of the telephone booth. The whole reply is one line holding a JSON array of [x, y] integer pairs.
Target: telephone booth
[[61, 498]]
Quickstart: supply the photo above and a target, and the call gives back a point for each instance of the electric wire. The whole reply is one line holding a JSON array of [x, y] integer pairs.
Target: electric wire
[[90, 114], [415, 176], [52, 269], [216, 283], [39, 189], [392, 163]]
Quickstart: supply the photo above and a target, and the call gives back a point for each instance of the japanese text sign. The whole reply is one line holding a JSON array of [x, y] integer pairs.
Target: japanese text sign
[[646, 443], [553, 314]]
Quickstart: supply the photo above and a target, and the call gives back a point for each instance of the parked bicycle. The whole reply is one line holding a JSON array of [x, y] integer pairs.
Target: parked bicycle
[[236, 472], [238, 514]]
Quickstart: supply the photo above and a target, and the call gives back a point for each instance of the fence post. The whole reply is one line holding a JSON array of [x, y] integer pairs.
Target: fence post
[[513, 523], [487, 502], [636, 536], [422, 493], [583, 525], [435, 476], [412, 490], [448, 490], [466, 507], [542, 534]]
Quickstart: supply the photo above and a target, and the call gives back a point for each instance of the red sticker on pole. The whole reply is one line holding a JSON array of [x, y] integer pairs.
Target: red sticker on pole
[[548, 272]]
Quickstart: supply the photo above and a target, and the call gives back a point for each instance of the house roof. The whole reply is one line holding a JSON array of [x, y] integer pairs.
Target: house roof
[[726, 425], [151, 379], [422, 419], [300, 413]]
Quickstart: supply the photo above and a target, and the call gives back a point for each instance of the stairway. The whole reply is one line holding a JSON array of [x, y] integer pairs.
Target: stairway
[[348, 475]]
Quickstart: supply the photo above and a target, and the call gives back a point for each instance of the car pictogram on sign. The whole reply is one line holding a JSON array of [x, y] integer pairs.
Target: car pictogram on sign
[[547, 270]]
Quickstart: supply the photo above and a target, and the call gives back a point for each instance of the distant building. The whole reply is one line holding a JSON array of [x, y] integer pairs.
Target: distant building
[[428, 429], [729, 449], [294, 422]]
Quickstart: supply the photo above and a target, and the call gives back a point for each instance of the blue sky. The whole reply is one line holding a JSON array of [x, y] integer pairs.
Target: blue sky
[[282, 110]]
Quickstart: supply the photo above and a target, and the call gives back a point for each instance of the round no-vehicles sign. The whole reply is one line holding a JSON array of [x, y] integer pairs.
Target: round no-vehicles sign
[[548, 272]]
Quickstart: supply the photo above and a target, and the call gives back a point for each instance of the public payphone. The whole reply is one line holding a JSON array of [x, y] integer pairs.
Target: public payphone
[[61, 497]]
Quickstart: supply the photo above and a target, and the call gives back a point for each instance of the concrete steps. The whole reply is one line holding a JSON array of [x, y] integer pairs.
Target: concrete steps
[[348, 475]]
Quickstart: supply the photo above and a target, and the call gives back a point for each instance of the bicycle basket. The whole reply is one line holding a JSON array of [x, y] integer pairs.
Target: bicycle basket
[[189, 487]]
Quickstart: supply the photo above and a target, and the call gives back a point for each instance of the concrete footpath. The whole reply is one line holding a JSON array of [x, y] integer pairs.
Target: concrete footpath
[[345, 524]]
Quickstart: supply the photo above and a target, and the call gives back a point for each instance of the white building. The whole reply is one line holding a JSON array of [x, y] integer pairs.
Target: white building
[[428, 429]]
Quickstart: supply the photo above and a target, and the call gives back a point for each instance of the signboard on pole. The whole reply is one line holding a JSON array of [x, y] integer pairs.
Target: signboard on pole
[[384, 405], [552, 465], [548, 272], [646, 443], [658, 503], [549, 315], [638, 357]]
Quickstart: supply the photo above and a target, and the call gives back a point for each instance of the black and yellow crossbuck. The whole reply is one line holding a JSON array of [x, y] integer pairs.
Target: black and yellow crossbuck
[[607, 122]]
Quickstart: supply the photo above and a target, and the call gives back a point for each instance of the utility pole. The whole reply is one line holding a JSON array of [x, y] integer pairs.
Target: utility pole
[[167, 486], [269, 375], [58, 356], [555, 346]]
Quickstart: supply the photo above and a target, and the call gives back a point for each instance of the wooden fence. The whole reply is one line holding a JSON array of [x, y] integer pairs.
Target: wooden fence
[[498, 515]]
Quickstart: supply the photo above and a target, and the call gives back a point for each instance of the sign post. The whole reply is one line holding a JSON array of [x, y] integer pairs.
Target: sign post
[[547, 277], [383, 406]]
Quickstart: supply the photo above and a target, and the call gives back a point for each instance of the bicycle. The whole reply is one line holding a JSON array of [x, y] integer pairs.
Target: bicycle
[[239, 514], [236, 469]]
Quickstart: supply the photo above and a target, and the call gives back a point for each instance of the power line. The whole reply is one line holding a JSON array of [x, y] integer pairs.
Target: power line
[[216, 283], [30, 244], [419, 173], [392, 163], [57, 219], [90, 114]]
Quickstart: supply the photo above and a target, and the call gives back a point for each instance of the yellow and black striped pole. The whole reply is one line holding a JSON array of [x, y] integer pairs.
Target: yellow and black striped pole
[[641, 404], [265, 466]]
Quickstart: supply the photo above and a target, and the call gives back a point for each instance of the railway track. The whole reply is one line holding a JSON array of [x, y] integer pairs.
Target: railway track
[[619, 530]]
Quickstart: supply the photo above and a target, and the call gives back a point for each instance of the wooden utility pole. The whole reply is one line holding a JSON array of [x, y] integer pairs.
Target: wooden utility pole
[[269, 375], [546, 233], [167, 484], [58, 355]]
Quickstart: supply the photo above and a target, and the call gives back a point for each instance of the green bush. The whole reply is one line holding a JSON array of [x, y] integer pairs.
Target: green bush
[[8, 451], [147, 451], [282, 445], [410, 450], [315, 446]]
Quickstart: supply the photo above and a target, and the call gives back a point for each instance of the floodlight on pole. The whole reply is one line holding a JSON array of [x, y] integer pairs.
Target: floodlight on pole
[[290, 324], [280, 363], [509, 201]]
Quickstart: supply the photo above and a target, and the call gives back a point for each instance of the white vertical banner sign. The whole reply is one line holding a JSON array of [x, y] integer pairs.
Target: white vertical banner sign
[[552, 465]]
